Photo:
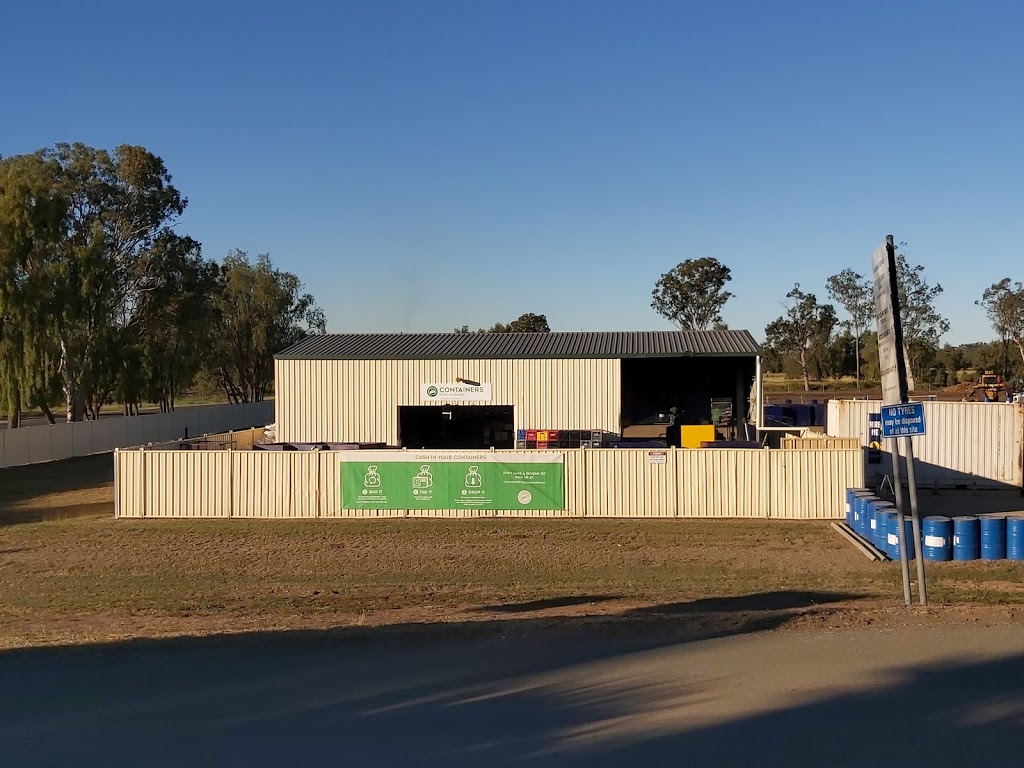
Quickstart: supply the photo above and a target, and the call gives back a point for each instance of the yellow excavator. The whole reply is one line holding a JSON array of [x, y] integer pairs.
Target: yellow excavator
[[991, 389]]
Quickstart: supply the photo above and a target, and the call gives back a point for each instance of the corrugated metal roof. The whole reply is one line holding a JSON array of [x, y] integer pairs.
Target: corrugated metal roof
[[490, 346]]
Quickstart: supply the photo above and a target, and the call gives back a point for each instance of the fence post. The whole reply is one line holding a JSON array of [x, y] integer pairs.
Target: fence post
[[319, 471], [584, 485], [769, 491], [142, 471], [675, 482], [117, 485], [231, 484]]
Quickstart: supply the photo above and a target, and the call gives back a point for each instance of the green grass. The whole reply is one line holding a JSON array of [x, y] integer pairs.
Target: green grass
[[69, 571]]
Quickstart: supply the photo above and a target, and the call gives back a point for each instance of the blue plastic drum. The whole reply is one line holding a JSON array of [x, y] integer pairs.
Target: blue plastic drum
[[938, 538], [850, 494], [855, 509], [908, 530], [877, 523], [861, 510], [1015, 538], [993, 538], [966, 538], [892, 542]]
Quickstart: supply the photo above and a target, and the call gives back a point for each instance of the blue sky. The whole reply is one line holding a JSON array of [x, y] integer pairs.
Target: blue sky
[[422, 165]]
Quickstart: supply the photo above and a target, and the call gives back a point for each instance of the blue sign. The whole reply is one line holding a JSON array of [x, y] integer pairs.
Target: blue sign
[[903, 420]]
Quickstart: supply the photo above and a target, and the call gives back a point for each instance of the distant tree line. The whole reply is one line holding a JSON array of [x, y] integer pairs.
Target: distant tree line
[[812, 340], [528, 323], [102, 300]]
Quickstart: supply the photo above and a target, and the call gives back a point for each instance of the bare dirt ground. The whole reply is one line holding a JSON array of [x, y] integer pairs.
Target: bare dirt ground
[[71, 574]]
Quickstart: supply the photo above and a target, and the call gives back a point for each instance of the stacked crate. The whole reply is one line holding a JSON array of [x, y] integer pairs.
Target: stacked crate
[[546, 439]]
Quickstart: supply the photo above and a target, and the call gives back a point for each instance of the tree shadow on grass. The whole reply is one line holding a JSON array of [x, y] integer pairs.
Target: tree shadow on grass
[[541, 605], [34, 480], [17, 514]]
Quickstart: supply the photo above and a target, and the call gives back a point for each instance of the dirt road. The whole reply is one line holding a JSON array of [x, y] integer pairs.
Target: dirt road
[[913, 695]]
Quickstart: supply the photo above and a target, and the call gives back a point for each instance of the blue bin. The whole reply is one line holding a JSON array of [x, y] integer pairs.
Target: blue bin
[[938, 538], [966, 538], [1015, 538], [876, 522], [860, 507], [892, 543], [993, 538], [850, 494], [865, 514]]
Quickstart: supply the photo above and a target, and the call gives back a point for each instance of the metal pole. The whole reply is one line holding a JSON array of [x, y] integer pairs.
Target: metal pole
[[897, 487], [922, 587]]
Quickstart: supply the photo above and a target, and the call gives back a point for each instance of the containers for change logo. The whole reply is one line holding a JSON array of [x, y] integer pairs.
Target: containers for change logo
[[431, 391]]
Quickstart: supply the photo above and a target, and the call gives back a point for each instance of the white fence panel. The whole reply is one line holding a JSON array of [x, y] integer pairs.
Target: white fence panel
[[39, 444], [118, 433], [82, 434], [61, 441], [187, 483], [129, 484], [793, 484], [16, 450], [274, 484], [965, 443], [31, 445], [808, 484]]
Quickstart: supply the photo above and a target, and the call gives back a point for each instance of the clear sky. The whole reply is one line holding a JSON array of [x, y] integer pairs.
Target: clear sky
[[432, 163]]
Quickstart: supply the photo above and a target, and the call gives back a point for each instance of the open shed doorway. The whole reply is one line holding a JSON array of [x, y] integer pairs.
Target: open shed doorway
[[705, 390], [456, 427]]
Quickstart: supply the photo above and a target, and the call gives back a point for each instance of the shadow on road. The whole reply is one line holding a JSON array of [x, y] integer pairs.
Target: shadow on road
[[541, 691]]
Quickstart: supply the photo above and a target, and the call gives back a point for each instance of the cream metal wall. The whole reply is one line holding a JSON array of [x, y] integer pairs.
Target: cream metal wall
[[793, 484], [358, 400], [964, 443]]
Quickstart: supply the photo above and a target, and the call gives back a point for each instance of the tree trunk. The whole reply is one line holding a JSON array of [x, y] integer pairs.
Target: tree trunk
[[46, 412], [75, 401], [14, 414], [803, 369], [856, 348]]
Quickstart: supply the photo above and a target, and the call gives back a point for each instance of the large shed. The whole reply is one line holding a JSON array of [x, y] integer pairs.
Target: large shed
[[488, 389]]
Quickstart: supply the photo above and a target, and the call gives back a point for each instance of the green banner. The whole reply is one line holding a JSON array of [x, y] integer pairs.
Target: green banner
[[452, 480]]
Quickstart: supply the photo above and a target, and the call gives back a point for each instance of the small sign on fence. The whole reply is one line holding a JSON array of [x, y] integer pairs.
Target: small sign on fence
[[903, 420], [874, 438]]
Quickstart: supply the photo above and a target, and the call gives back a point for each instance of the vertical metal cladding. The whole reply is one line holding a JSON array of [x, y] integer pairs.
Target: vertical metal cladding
[[358, 400], [809, 484], [598, 483], [965, 443], [723, 483], [623, 483], [274, 484], [129, 484], [567, 394], [187, 483]]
